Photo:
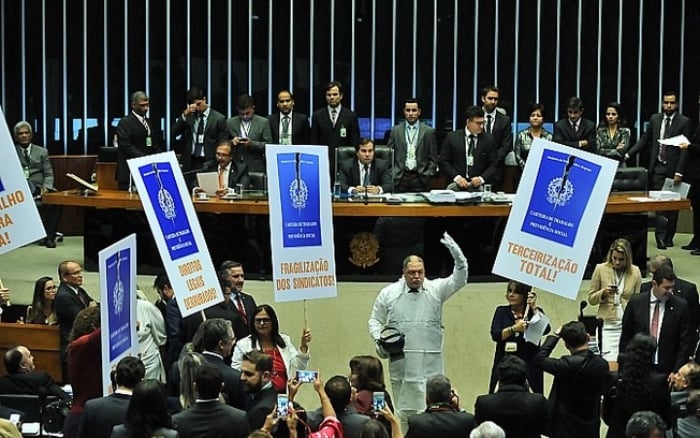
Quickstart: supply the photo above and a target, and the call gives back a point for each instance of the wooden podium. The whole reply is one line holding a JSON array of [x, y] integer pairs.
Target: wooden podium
[[42, 341]]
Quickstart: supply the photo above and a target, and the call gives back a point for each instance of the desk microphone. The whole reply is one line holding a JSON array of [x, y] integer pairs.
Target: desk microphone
[[190, 172]]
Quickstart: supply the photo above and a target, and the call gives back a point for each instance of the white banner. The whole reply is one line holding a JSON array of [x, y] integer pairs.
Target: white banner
[[301, 222], [555, 217], [20, 222], [176, 230], [117, 266]]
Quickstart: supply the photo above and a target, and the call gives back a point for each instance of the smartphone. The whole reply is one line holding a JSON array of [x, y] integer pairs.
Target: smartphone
[[613, 287], [14, 419], [307, 376], [378, 401], [282, 405]]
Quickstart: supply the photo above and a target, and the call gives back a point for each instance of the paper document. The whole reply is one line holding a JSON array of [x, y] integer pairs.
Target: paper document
[[536, 327], [209, 182], [681, 188], [675, 141]]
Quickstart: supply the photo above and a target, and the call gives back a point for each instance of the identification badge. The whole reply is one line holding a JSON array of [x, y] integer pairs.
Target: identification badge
[[200, 139], [148, 142], [26, 172], [470, 161], [343, 132], [511, 347]]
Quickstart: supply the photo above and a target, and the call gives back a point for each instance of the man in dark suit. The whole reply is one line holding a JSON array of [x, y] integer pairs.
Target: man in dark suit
[[39, 173], [230, 172], [256, 371], [498, 124], [70, 299], [249, 133], [415, 151], [665, 317], [102, 414], [339, 392], [334, 125], [22, 377], [216, 344], [364, 172], [200, 128], [520, 413], [683, 289], [136, 137], [574, 130], [691, 175], [244, 303], [469, 157], [442, 418], [579, 381], [288, 126], [208, 417], [664, 161]]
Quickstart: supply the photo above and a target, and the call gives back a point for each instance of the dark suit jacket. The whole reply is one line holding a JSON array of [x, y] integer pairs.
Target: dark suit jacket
[[691, 166], [300, 128], [441, 423], [324, 133], [223, 310], [574, 401], [233, 388], [352, 421], [102, 414], [23, 383], [502, 133], [259, 406], [675, 341], [521, 414], [689, 292], [237, 175], [212, 419], [565, 134], [259, 134], [214, 131], [379, 174], [131, 138], [426, 152], [249, 305], [675, 157], [67, 306], [453, 158]]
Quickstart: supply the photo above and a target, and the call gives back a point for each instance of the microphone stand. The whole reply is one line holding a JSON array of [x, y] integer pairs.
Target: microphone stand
[[42, 393]]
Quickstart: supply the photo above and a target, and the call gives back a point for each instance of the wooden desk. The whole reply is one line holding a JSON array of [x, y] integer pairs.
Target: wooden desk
[[617, 203], [42, 341]]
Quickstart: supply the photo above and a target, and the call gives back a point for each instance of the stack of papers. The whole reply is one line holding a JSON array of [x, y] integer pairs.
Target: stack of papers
[[666, 195], [442, 196]]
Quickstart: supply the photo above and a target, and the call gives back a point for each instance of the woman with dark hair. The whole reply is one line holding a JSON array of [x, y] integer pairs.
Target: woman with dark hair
[[524, 138], [265, 336], [508, 331], [41, 310], [612, 285], [367, 377], [84, 365], [147, 415], [612, 136], [639, 387]]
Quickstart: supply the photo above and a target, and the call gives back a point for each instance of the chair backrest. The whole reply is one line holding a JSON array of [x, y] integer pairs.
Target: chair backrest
[[258, 181], [27, 403], [382, 152], [630, 179]]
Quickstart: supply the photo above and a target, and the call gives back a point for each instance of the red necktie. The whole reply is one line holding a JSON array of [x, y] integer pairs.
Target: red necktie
[[655, 321], [241, 307]]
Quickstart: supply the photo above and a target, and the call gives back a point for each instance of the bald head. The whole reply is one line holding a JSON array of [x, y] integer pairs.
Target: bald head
[[414, 271], [19, 360]]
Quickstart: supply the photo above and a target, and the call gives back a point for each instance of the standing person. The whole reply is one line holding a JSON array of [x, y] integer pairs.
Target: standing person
[[613, 135], [147, 414], [244, 303], [612, 285], [201, 128], [334, 125], [249, 133], [415, 151], [508, 331], [367, 377], [38, 171], [136, 137], [664, 162], [42, 310], [664, 316], [691, 175], [288, 126], [524, 139], [150, 331], [497, 124], [579, 381], [413, 307], [71, 298], [574, 130]]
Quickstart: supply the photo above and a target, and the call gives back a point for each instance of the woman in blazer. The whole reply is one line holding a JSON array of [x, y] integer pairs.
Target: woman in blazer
[[612, 285]]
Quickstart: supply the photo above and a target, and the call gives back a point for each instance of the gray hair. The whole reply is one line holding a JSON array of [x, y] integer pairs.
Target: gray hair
[[488, 429], [438, 389], [23, 124], [138, 96]]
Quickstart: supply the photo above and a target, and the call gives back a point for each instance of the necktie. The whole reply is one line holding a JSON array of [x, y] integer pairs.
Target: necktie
[[489, 120], [200, 135], [285, 130], [470, 152], [365, 180], [82, 299], [145, 125], [26, 156], [662, 147], [655, 321], [574, 126], [241, 307], [334, 116], [221, 178]]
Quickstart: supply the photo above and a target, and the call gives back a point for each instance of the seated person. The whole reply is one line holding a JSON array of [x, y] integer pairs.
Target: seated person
[[364, 173], [469, 157], [689, 426], [230, 172], [682, 382], [21, 378], [645, 424]]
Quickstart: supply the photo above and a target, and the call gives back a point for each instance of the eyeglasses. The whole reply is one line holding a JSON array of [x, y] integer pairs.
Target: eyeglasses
[[262, 321]]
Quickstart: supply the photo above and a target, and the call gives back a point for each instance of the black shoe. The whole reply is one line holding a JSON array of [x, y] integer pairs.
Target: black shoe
[[690, 247], [695, 252], [660, 245], [669, 244], [50, 243]]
